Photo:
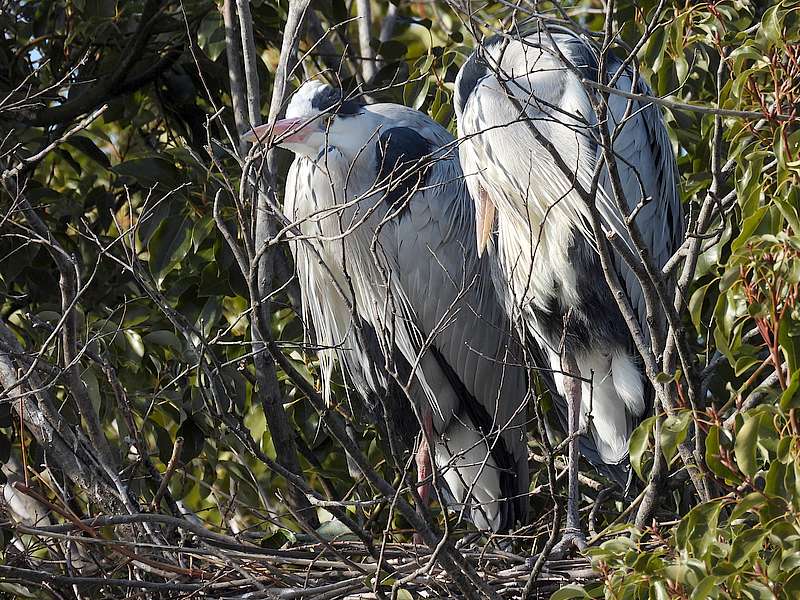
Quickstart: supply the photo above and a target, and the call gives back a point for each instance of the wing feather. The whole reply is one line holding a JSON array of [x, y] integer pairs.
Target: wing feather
[[440, 275], [648, 176]]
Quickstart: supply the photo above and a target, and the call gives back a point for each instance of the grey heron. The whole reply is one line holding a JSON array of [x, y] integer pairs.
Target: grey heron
[[386, 245], [545, 257]]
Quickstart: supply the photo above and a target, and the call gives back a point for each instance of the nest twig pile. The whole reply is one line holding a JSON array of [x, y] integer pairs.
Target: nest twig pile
[[177, 558]]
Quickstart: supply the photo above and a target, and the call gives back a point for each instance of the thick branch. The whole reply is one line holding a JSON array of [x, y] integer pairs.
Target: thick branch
[[233, 51], [68, 451], [100, 91], [268, 387], [250, 64], [68, 283], [364, 22]]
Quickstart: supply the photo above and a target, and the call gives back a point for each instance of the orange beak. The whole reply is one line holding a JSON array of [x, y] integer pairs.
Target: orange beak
[[484, 219], [284, 130]]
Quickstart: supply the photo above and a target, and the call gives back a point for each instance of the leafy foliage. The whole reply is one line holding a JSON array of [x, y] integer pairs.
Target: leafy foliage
[[741, 544]]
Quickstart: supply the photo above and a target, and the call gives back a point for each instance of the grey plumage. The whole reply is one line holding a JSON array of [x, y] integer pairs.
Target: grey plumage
[[545, 255], [387, 226]]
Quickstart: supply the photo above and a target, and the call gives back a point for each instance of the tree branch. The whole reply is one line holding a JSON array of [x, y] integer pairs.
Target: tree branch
[[101, 90]]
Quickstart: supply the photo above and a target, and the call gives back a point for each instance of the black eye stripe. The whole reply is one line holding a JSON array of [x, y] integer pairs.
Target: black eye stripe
[[471, 73], [328, 97], [325, 98]]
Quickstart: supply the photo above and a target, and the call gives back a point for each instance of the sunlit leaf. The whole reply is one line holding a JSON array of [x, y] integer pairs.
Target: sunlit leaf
[[745, 544]]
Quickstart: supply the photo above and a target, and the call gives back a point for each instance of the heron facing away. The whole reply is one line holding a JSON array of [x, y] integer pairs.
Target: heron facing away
[[386, 251], [545, 258]]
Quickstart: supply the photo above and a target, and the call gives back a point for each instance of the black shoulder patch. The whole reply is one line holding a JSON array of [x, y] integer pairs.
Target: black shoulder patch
[[403, 159], [328, 97]]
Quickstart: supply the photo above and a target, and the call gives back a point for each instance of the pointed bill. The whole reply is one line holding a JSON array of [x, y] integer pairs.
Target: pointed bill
[[484, 219], [287, 129]]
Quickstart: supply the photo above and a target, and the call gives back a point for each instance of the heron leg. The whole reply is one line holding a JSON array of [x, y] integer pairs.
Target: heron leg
[[573, 533], [424, 465]]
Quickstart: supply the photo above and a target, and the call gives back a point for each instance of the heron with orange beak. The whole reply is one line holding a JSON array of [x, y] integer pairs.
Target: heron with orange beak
[[396, 293]]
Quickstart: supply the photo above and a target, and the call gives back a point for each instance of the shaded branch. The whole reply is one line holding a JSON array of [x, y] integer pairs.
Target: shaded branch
[[104, 88]]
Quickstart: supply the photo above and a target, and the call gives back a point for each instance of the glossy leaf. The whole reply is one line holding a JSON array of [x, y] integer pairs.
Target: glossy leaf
[[639, 443]]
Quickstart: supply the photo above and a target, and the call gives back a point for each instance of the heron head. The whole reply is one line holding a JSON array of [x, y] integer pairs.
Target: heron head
[[316, 113]]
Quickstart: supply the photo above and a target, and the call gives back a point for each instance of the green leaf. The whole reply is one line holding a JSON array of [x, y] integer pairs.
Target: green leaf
[[278, 539], [748, 503], [335, 530], [723, 568], [673, 432], [654, 50], [758, 591], [697, 530], [68, 158], [421, 94], [88, 147], [392, 50], [696, 303], [92, 388], [745, 446], [745, 544], [639, 443], [339, 11], [665, 378], [749, 225], [149, 172], [568, 592], [193, 439], [134, 342], [169, 245], [744, 364], [789, 212], [705, 589], [209, 315], [775, 480], [771, 26], [791, 588], [712, 455], [659, 591], [790, 398], [163, 443], [163, 338], [784, 450], [16, 591]]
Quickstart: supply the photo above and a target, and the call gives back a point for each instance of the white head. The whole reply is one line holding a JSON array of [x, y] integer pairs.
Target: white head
[[316, 116]]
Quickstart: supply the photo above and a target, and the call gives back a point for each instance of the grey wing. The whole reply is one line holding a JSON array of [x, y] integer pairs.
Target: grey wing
[[435, 257], [645, 164], [648, 177]]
